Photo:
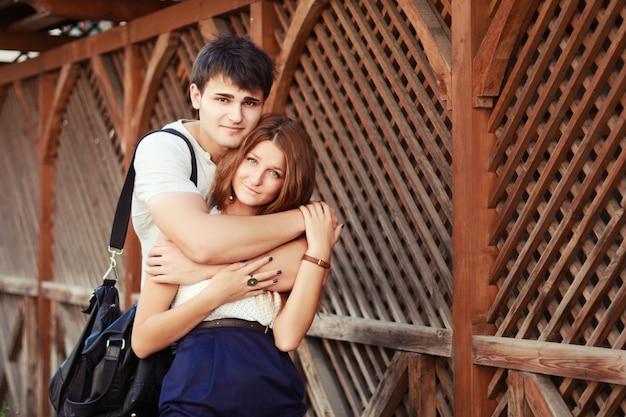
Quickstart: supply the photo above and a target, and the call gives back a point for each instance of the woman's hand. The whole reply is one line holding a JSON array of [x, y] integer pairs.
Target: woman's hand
[[166, 264], [322, 231], [239, 280], [296, 316]]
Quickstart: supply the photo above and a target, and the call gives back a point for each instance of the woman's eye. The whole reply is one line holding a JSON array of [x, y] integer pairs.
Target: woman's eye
[[252, 161], [275, 174]]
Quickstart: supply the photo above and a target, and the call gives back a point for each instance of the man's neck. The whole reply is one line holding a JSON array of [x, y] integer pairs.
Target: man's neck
[[205, 142]]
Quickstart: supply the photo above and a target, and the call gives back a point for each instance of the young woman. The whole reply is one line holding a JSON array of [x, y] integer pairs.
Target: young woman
[[234, 330]]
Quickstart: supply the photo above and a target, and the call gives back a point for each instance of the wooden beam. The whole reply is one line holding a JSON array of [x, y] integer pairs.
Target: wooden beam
[[516, 401], [164, 49], [492, 58], [434, 35], [324, 390], [102, 9], [398, 336], [472, 219], [15, 335], [66, 293], [3, 380], [304, 18], [391, 389], [41, 341], [18, 285], [571, 361], [543, 398], [102, 75], [28, 113], [50, 124], [21, 40], [263, 22], [175, 17], [52, 108], [41, 20], [422, 385], [133, 80], [34, 388]]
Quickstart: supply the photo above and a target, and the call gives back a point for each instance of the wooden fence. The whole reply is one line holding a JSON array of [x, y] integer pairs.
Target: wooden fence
[[479, 168]]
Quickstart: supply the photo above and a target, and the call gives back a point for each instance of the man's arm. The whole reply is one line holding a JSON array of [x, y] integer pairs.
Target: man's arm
[[168, 265], [185, 219]]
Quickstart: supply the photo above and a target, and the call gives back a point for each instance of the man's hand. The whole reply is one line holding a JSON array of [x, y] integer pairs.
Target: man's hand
[[166, 264]]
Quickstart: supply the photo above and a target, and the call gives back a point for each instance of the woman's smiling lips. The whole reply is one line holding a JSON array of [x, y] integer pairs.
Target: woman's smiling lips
[[250, 190]]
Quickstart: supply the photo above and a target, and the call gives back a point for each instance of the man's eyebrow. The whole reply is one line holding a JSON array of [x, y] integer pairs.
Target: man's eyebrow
[[231, 96]]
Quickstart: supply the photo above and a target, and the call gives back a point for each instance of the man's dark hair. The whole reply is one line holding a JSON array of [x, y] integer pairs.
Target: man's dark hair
[[236, 58]]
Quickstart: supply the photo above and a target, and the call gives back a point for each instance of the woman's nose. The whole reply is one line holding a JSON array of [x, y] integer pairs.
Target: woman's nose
[[255, 176]]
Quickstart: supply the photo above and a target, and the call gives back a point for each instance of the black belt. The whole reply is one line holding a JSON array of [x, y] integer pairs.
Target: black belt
[[245, 324]]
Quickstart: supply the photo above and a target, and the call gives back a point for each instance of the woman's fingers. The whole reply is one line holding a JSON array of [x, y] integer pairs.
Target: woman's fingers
[[261, 282], [260, 279], [243, 275]]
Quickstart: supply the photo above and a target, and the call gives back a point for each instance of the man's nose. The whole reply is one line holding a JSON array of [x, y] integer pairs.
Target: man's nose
[[235, 114]]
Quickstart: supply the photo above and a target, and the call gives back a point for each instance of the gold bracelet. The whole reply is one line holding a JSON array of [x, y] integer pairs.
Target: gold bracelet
[[316, 261]]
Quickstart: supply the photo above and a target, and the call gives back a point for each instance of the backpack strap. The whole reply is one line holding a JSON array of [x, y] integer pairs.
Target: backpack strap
[[122, 211]]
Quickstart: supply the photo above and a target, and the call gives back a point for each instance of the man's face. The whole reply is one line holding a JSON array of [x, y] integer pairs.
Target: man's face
[[227, 114]]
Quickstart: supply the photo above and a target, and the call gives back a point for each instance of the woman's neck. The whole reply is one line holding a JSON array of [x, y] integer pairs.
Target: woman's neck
[[237, 209]]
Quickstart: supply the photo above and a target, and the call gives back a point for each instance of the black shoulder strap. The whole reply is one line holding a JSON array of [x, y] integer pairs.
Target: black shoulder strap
[[122, 212]]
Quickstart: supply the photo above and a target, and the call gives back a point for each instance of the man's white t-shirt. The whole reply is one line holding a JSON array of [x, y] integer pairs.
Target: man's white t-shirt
[[162, 165]]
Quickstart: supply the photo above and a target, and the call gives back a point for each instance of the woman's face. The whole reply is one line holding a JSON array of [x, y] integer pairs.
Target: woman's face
[[260, 175]]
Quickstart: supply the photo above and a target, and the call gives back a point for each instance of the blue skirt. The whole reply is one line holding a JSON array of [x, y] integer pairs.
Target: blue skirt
[[231, 372]]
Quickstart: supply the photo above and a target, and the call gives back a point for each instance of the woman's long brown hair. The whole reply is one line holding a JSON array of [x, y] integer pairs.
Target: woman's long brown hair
[[291, 138]]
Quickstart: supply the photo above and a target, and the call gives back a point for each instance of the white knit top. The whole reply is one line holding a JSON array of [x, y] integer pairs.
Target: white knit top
[[262, 308]]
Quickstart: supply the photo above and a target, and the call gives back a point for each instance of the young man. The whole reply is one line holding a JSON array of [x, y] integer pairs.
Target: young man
[[230, 80]]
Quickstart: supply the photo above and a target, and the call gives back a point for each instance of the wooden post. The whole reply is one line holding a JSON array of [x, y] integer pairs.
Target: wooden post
[[133, 80], [46, 243], [472, 219], [422, 385], [262, 25]]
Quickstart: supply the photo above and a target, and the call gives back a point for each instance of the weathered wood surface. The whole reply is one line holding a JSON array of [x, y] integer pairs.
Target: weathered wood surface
[[531, 212], [571, 361], [399, 336]]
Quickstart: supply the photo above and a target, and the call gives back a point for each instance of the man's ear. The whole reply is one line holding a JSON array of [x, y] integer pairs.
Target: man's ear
[[195, 95]]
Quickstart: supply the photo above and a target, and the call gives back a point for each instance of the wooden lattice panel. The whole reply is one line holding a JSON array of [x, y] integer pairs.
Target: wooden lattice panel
[[89, 178], [18, 187], [172, 101], [560, 159], [365, 92]]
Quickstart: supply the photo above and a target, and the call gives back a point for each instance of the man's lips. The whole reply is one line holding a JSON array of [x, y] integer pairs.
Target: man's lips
[[234, 128]]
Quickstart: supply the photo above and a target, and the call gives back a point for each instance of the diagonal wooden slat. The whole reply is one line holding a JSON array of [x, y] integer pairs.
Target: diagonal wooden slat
[[391, 389], [537, 195], [543, 398], [541, 268], [516, 112], [569, 94], [492, 58], [300, 26]]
